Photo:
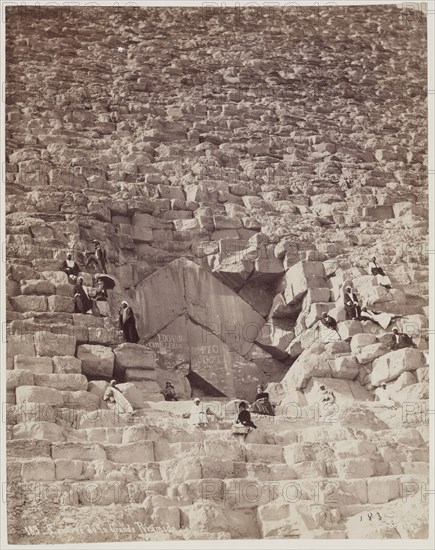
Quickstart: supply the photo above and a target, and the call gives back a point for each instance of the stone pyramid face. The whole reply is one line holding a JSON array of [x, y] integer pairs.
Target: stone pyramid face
[[188, 317]]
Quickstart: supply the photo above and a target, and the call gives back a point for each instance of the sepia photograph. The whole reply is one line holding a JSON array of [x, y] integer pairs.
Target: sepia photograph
[[216, 257]]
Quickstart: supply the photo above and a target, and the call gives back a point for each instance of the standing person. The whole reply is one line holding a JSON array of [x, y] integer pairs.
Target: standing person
[[353, 308], [127, 322], [71, 268], [377, 271], [169, 392], [98, 257], [198, 414], [82, 302]]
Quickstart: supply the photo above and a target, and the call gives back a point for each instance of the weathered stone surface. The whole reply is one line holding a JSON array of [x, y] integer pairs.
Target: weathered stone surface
[[18, 377], [302, 276], [29, 303], [344, 367], [129, 355], [39, 430], [73, 382], [96, 360], [35, 394], [66, 365], [129, 453], [48, 343], [390, 366], [34, 364]]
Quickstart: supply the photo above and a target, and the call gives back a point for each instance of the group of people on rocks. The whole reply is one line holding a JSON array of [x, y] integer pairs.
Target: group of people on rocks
[[354, 310], [85, 301]]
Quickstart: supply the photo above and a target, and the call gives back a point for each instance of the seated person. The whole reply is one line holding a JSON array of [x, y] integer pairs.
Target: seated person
[[169, 392], [244, 416], [329, 322], [402, 340], [382, 319], [116, 400], [378, 272], [261, 404], [326, 396], [385, 397], [82, 302], [101, 293], [70, 267]]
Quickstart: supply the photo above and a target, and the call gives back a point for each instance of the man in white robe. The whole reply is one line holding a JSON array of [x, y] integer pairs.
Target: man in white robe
[[377, 271]]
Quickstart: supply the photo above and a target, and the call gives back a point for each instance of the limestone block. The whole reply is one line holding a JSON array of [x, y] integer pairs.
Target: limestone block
[[367, 354], [132, 394], [56, 277], [77, 451], [96, 360], [296, 453], [28, 448], [26, 303], [130, 355], [48, 343], [37, 394], [308, 469], [222, 449], [355, 467], [129, 453], [23, 344], [34, 364], [264, 453], [147, 375], [64, 364], [345, 367], [302, 276], [141, 233], [37, 287], [38, 430], [97, 387], [407, 378], [354, 448], [347, 329], [422, 374], [361, 340], [414, 325], [40, 469], [390, 366], [167, 515], [413, 393], [309, 364], [346, 393], [73, 382], [18, 377], [65, 290], [280, 519], [178, 470], [69, 469], [131, 434], [382, 489], [61, 303], [81, 400]]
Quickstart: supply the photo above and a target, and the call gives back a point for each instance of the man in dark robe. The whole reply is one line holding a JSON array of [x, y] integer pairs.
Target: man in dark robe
[[261, 404], [244, 416], [71, 268], [329, 322], [351, 304], [82, 302], [169, 392], [402, 340], [127, 323], [99, 257]]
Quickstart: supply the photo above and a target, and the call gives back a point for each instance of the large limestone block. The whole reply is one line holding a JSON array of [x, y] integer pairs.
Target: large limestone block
[[37, 394], [284, 518], [23, 344], [34, 364], [413, 393], [81, 400], [18, 377], [181, 469], [140, 375], [179, 381], [25, 303], [66, 364], [40, 469], [48, 343], [382, 489], [129, 453], [132, 394], [73, 382], [348, 329], [56, 277], [310, 363], [415, 326], [159, 299], [390, 366], [355, 467], [28, 448], [345, 367], [367, 354], [223, 449], [130, 355], [69, 469], [301, 277], [96, 360], [216, 307], [172, 346], [38, 430], [77, 451], [361, 340], [37, 286], [264, 453], [310, 469], [60, 303]]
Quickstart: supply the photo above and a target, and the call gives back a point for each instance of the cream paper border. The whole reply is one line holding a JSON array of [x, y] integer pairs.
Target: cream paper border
[[354, 544]]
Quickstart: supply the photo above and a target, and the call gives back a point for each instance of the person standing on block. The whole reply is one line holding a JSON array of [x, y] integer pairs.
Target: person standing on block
[[127, 322]]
